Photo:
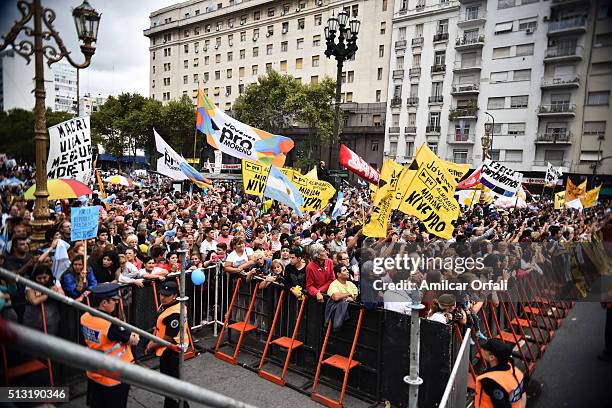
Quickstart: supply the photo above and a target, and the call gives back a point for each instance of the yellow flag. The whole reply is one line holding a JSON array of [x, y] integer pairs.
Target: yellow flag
[[573, 191], [312, 174], [559, 200], [456, 170], [590, 198], [254, 177], [430, 194], [386, 199], [316, 193]]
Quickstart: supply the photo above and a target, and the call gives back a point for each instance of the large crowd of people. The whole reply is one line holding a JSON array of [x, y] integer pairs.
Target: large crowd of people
[[142, 228]]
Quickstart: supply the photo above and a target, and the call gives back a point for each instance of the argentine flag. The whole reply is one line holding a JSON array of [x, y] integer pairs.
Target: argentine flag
[[338, 207], [280, 188]]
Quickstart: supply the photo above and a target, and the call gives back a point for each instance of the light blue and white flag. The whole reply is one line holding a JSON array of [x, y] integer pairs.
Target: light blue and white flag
[[338, 207], [281, 189]]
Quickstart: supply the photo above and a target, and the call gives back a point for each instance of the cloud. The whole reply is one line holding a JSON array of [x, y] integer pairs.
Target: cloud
[[121, 61]]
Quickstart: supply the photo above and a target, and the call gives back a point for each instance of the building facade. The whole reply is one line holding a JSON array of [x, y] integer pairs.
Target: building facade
[[65, 83], [538, 70], [89, 104]]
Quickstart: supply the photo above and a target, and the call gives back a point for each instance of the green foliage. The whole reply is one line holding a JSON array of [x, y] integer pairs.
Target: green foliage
[[17, 132]]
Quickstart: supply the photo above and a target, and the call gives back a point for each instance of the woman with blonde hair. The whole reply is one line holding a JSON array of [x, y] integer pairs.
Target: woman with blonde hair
[[276, 274]]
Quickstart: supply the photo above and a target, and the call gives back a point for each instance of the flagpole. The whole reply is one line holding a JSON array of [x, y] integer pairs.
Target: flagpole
[[195, 132]]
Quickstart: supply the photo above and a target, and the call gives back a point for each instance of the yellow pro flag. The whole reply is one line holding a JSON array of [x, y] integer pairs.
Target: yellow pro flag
[[430, 194], [559, 200], [254, 177], [456, 170], [312, 174], [316, 193], [573, 191], [386, 199], [590, 198]]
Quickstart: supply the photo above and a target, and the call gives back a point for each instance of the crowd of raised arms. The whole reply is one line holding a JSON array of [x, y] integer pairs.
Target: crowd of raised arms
[[141, 229]]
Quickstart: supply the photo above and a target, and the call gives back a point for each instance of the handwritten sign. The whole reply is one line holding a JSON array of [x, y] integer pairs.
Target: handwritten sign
[[84, 222], [70, 150]]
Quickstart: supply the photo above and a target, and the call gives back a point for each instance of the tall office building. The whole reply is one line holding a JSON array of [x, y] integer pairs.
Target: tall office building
[[540, 70], [223, 46], [65, 85]]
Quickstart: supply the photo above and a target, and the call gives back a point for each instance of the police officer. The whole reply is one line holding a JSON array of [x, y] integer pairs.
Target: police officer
[[167, 328], [502, 385], [110, 339]]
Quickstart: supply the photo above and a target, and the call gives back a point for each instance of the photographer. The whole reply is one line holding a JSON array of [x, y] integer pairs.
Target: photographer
[[444, 310]]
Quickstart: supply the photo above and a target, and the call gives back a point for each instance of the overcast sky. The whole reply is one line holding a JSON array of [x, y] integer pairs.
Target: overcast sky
[[121, 61]]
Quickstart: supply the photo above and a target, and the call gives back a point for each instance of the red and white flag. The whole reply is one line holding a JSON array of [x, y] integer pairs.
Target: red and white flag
[[357, 165], [470, 181]]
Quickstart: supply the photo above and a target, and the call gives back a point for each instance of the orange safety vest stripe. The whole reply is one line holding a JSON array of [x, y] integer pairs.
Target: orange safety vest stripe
[[160, 327], [95, 332], [506, 380]]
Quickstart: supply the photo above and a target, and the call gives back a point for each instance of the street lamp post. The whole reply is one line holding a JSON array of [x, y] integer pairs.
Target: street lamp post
[[487, 144], [86, 20], [345, 32]]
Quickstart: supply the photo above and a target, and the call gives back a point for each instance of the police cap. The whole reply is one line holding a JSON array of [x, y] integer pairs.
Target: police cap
[[105, 291], [168, 288], [498, 348]]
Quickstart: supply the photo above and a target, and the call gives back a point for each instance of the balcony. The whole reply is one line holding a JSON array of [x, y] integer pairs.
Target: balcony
[[461, 138], [440, 37], [554, 137], [421, 8], [575, 25], [396, 102], [465, 43], [560, 82], [471, 19], [414, 72], [417, 42], [433, 129], [465, 89], [557, 109], [398, 74], [394, 129], [436, 99], [410, 130], [469, 65], [400, 44], [463, 112], [563, 53], [558, 3], [412, 101], [438, 69]]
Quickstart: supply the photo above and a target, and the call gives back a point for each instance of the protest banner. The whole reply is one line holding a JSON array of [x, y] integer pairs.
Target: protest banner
[[316, 193], [472, 181], [552, 175], [386, 199], [573, 191], [238, 139], [430, 194], [500, 179], [70, 153], [357, 165], [467, 198], [590, 198], [254, 177], [456, 170], [84, 222], [173, 165], [559, 200]]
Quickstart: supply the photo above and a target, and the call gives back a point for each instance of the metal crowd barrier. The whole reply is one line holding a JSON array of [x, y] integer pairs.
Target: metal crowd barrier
[[455, 393]]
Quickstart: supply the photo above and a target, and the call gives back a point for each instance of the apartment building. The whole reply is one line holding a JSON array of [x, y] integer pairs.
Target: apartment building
[[89, 104], [225, 46], [525, 65], [65, 84]]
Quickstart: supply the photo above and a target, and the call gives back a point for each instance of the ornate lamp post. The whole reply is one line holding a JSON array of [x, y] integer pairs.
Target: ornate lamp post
[[344, 48], [487, 140], [86, 20]]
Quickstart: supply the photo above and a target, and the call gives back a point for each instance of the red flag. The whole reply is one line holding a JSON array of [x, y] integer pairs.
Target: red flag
[[470, 181], [357, 165]]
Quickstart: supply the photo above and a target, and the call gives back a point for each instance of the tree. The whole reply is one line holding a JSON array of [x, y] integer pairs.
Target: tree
[[179, 124], [264, 103]]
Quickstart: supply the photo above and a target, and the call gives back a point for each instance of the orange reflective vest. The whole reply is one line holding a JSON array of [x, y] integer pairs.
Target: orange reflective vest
[[506, 380], [160, 327], [95, 332]]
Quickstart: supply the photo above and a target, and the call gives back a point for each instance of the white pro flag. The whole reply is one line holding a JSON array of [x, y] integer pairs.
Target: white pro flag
[[552, 175], [169, 162]]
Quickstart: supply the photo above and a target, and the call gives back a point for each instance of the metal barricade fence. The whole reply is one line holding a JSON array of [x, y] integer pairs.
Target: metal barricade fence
[[456, 389]]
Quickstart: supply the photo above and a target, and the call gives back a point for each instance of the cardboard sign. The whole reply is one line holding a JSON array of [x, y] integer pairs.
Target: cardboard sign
[[70, 154]]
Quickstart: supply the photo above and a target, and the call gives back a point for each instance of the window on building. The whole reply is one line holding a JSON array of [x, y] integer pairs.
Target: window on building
[[196, 62], [240, 89], [217, 75], [256, 15], [283, 66], [216, 91], [501, 52], [499, 76], [522, 75], [502, 4], [284, 46], [243, 19], [298, 63], [590, 155], [315, 61], [300, 43], [229, 73], [528, 24], [185, 80], [381, 51], [603, 40], [242, 36], [516, 129], [242, 54], [186, 48], [514, 155], [206, 77], [416, 60], [351, 76], [518, 102], [392, 149], [355, 10], [504, 27], [318, 18], [524, 49], [460, 156], [399, 62], [433, 146], [269, 49], [553, 156], [206, 60], [496, 103], [271, 12], [383, 28], [255, 51], [316, 40], [440, 58], [442, 26], [270, 31], [301, 23], [436, 88], [268, 67], [285, 27], [434, 119], [594, 128], [598, 98], [254, 70], [379, 74], [418, 30], [315, 80], [153, 68], [378, 95], [195, 78], [217, 58]]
